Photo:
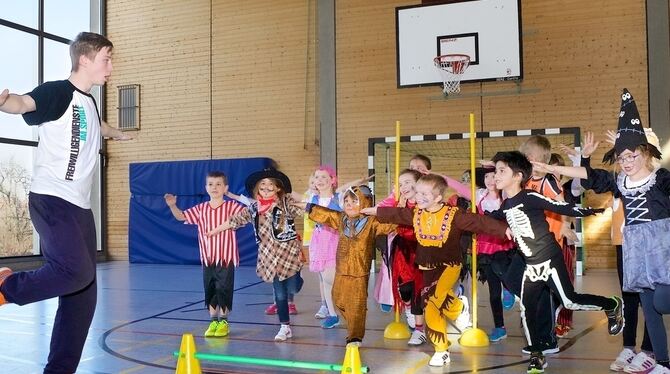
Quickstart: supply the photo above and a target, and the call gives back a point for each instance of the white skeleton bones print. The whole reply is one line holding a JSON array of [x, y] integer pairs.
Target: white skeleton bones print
[[520, 225]]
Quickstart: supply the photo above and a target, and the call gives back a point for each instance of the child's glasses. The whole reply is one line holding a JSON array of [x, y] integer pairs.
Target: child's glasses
[[626, 159]]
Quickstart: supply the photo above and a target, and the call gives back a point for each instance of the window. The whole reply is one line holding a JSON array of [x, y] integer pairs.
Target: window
[[38, 54], [129, 107]]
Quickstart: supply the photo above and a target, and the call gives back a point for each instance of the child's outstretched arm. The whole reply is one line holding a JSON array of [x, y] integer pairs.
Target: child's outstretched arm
[[171, 201], [537, 200], [239, 198], [16, 104], [220, 228], [353, 183], [324, 216], [108, 131]]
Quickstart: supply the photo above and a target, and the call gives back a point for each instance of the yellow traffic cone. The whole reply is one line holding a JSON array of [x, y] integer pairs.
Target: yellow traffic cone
[[352, 360], [187, 363]]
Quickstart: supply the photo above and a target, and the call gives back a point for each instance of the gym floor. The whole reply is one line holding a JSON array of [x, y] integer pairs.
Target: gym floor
[[143, 310]]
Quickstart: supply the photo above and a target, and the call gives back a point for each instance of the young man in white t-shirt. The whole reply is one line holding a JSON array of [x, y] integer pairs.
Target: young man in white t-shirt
[[70, 130]]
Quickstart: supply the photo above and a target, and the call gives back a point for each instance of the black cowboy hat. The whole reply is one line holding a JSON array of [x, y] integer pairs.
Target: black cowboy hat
[[254, 178], [480, 173]]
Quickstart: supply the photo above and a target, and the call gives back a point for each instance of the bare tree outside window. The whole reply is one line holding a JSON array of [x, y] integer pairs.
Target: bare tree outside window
[[16, 231]]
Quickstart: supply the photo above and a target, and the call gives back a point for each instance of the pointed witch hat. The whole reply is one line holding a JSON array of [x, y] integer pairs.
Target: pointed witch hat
[[630, 133]]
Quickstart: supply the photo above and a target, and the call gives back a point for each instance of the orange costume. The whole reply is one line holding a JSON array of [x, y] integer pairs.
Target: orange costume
[[355, 251]]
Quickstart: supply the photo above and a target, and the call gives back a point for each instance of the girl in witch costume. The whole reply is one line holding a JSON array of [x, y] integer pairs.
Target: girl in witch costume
[[644, 190], [438, 229], [355, 250], [279, 248]]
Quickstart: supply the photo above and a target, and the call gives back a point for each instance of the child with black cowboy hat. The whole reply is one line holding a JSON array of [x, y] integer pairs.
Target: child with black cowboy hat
[[644, 189], [279, 247]]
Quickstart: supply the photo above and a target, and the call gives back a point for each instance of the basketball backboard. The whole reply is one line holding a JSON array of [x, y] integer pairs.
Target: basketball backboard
[[489, 31]]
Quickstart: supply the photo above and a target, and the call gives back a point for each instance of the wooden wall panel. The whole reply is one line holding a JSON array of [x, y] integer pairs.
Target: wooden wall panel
[[262, 91]]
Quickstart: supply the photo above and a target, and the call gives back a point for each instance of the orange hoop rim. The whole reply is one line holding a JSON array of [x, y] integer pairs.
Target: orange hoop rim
[[456, 57]]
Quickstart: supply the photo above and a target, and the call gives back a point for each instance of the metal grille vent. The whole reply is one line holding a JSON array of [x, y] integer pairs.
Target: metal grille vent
[[129, 107]]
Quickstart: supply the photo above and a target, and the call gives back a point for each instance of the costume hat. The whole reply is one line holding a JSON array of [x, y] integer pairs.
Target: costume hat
[[480, 173], [362, 193], [630, 133], [254, 178]]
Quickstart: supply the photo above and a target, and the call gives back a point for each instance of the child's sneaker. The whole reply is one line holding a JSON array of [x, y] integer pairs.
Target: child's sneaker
[[330, 322], [322, 313], [508, 299], [462, 322], [537, 363], [439, 359], [4, 273], [659, 369], [385, 308], [284, 333], [271, 310], [498, 334], [417, 338], [547, 348], [222, 329], [411, 320], [624, 358], [211, 330], [292, 310], [615, 320], [354, 342], [642, 363]]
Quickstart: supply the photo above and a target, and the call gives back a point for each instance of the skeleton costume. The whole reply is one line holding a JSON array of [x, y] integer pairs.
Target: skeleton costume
[[646, 233], [439, 256], [524, 213], [355, 251]]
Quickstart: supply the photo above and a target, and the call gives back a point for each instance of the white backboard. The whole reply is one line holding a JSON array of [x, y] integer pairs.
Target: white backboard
[[489, 31]]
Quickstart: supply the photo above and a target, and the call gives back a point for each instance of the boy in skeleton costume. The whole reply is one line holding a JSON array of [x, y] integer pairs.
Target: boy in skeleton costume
[[524, 211], [643, 188], [355, 251], [438, 228]]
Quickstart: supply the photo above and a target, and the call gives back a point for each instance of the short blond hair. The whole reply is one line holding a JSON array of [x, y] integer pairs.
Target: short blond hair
[[436, 181], [537, 142]]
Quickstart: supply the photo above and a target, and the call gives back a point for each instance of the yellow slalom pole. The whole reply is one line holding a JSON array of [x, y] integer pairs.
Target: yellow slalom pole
[[473, 337], [396, 329]]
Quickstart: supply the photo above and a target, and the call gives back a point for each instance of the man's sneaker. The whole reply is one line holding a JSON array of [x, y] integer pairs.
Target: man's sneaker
[[292, 310], [4, 273], [547, 348], [624, 358], [537, 363], [615, 320], [642, 363], [330, 322], [659, 369], [322, 313], [439, 359], [271, 310], [462, 322], [417, 338], [222, 329], [508, 299], [411, 320], [498, 334], [211, 330], [284, 333], [561, 331]]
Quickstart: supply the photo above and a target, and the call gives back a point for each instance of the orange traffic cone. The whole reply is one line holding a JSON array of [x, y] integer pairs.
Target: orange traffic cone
[[352, 360], [187, 363]]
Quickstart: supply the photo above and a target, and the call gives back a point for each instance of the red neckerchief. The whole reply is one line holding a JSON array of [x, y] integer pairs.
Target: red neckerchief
[[265, 204]]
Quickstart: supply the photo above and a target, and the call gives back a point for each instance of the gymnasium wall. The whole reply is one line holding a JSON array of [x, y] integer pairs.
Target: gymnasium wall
[[243, 85]]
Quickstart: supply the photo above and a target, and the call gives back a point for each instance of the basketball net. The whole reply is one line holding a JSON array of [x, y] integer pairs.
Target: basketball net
[[451, 68]]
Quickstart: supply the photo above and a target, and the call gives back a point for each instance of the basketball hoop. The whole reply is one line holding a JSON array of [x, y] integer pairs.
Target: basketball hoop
[[451, 69]]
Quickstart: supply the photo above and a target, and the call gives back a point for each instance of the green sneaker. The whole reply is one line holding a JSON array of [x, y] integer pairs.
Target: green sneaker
[[211, 330], [222, 329]]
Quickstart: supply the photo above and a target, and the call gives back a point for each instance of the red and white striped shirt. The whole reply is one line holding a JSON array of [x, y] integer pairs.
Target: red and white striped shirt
[[221, 248]]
